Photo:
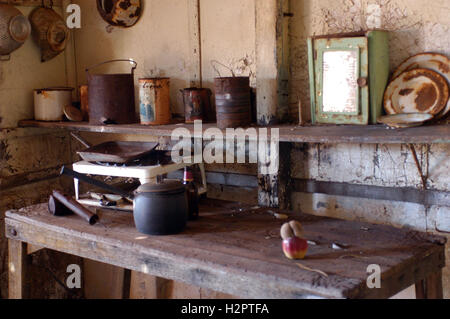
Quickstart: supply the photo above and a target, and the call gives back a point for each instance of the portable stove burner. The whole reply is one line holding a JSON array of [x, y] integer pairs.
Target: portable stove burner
[[146, 170]]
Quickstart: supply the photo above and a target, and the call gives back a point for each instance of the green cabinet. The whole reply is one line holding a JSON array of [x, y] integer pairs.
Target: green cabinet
[[348, 76]]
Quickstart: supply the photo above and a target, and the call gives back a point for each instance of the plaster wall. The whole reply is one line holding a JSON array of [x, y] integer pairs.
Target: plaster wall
[[163, 42], [415, 27]]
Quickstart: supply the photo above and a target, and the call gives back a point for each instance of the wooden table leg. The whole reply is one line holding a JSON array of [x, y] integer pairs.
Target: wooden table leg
[[431, 287], [17, 266]]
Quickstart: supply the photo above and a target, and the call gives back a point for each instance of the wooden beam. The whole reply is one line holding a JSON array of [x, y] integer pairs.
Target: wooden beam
[[326, 134], [31, 249], [17, 266], [272, 61], [431, 287], [195, 42]]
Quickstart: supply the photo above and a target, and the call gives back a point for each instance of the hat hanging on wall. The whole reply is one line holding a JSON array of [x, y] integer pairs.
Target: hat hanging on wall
[[120, 13], [49, 31]]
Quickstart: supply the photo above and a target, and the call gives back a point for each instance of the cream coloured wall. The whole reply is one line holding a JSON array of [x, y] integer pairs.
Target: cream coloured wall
[[24, 73], [163, 40]]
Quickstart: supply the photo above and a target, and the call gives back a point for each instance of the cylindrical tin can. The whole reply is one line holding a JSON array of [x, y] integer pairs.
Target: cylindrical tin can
[[197, 105], [154, 96], [111, 97], [84, 101], [233, 102]]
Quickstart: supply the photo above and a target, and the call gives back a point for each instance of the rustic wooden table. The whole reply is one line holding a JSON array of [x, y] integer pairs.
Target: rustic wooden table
[[237, 250]]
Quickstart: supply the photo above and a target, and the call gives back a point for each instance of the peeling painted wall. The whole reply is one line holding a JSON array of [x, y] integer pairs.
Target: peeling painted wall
[[415, 27]]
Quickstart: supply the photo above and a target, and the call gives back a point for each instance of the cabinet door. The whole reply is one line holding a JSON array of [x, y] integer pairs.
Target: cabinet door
[[341, 68]]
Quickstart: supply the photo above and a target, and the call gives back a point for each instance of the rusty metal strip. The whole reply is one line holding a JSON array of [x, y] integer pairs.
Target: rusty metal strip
[[419, 167], [398, 194]]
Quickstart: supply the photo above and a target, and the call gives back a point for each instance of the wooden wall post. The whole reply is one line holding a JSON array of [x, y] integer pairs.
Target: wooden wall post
[[272, 61], [272, 91]]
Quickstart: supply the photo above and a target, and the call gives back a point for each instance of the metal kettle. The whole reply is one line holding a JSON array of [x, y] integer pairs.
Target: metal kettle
[[14, 30]]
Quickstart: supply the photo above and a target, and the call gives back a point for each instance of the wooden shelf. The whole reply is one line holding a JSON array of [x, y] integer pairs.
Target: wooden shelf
[[374, 134]]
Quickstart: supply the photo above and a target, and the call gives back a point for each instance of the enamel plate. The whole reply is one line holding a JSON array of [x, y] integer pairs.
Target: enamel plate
[[417, 91], [432, 61]]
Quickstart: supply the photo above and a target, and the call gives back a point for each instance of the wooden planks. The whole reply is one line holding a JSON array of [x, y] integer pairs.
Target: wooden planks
[[236, 250], [374, 134]]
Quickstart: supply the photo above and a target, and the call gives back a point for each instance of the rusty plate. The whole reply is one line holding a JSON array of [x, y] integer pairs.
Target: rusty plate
[[417, 91], [120, 13], [432, 61]]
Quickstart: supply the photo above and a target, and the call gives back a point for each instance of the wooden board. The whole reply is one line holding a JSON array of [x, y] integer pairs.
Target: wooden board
[[236, 250], [374, 134]]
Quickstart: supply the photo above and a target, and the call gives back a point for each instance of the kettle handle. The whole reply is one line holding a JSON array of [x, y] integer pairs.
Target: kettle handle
[[111, 61]]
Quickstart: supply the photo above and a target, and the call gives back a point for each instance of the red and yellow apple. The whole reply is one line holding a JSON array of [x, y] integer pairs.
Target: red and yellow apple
[[294, 245]]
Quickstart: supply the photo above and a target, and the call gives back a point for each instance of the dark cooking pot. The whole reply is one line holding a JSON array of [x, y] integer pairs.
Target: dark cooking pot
[[159, 209]]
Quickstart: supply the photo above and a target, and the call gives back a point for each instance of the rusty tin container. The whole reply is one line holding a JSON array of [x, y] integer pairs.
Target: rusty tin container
[[154, 94], [197, 105], [111, 96], [233, 102]]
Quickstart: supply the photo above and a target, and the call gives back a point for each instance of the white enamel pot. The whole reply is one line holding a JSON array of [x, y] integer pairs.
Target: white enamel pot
[[49, 103]]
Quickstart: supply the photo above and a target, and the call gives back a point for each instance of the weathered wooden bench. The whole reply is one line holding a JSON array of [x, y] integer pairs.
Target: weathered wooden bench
[[236, 250]]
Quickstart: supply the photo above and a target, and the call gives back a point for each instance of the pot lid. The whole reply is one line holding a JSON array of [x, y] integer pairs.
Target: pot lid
[[164, 187]]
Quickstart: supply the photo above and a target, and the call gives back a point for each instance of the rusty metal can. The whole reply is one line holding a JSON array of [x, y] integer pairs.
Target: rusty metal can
[[233, 102], [154, 96], [111, 96], [197, 105]]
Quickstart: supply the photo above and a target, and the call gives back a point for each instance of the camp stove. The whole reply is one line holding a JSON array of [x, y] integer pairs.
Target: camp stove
[[146, 172]]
